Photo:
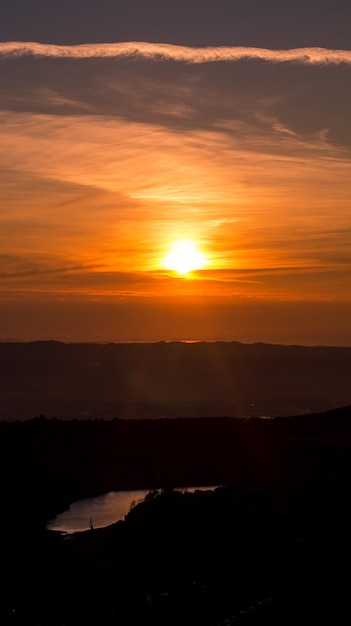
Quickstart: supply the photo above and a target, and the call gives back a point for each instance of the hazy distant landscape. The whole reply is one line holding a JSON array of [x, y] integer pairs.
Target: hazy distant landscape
[[83, 381]]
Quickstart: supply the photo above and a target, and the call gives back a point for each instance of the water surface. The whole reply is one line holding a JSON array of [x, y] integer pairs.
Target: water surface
[[101, 511]]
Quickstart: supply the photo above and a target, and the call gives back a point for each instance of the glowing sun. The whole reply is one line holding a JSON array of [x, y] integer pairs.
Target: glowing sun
[[183, 257]]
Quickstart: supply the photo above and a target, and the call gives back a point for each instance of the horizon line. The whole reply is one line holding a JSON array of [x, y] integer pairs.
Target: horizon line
[[171, 341]]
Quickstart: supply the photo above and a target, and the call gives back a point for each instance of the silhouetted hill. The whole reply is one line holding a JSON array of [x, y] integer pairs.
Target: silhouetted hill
[[170, 380], [54, 462], [270, 547]]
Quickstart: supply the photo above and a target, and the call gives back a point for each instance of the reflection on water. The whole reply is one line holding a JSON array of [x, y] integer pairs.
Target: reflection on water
[[102, 510]]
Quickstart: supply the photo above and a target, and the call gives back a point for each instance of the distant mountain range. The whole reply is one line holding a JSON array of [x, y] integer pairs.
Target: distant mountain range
[[143, 380]]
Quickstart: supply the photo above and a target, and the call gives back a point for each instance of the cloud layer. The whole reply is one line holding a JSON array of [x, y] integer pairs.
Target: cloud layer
[[107, 158], [170, 52]]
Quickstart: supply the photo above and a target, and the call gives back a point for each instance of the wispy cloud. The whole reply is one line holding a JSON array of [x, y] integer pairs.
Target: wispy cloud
[[119, 192], [170, 52], [108, 162]]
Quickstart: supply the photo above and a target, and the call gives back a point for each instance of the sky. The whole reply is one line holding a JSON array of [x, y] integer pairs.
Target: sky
[[128, 126]]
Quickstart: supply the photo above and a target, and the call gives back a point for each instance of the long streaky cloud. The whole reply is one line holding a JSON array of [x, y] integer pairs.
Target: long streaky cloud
[[170, 52]]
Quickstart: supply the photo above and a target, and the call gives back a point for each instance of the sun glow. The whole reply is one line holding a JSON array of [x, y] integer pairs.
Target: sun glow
[[184, 257]]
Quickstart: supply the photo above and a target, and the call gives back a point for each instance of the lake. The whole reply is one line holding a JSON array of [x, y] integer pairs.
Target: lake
[[102, 510]]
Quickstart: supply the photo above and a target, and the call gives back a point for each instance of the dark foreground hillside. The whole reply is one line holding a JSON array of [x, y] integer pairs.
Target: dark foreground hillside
[[272, 546]]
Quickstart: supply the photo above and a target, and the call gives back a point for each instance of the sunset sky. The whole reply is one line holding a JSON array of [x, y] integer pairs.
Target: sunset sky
[[128, 126]]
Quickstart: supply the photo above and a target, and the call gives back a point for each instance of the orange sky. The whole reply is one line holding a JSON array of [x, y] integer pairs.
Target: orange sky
[[108, 161]]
